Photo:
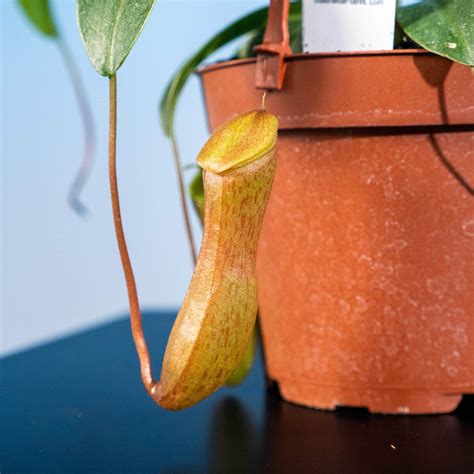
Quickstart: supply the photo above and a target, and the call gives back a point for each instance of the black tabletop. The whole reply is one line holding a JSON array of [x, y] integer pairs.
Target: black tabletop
[[77, 405]]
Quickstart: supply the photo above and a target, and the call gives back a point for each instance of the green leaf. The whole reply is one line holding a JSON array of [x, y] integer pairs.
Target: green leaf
[[245, 364], [196, 191], [39, 14], [109, 29], [445, 27], [255, 38], [255, 21], [295, 29]]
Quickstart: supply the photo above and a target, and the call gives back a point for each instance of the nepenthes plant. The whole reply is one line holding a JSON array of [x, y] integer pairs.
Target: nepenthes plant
[[213, 328], [215, 323]]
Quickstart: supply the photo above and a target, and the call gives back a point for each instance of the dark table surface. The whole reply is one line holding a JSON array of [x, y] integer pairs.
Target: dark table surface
[[77, 405]]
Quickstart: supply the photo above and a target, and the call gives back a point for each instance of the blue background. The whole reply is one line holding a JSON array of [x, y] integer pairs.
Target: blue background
[[61, 273]]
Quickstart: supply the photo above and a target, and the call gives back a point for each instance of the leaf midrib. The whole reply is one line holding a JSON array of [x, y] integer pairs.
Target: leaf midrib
[[115, 24]]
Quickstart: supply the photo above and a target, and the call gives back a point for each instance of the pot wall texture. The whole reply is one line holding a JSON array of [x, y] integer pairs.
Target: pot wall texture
[[365, 269]]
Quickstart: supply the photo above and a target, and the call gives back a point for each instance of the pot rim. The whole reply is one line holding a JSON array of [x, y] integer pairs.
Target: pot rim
[[392, 88], [307, 56]]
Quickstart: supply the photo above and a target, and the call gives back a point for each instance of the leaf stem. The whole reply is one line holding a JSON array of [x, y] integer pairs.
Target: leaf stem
[[89, 129], [135, 315], [182, 194]]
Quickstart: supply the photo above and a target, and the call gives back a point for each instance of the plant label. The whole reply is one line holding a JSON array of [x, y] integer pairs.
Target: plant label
[[348, 25]]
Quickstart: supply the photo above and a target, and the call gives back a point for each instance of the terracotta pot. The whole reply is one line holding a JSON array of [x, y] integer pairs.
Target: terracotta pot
[[365, 271]]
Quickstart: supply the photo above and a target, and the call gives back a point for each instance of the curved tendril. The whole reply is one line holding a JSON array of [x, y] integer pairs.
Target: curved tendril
[[89, 131], [182, 195]]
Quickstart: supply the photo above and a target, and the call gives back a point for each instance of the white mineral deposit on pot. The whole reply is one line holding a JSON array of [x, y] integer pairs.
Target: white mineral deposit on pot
[[468, 227]]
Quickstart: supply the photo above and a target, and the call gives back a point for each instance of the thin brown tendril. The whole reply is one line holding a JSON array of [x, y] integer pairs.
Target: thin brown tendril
[[135, 315], [182, 195], [89, 131]]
